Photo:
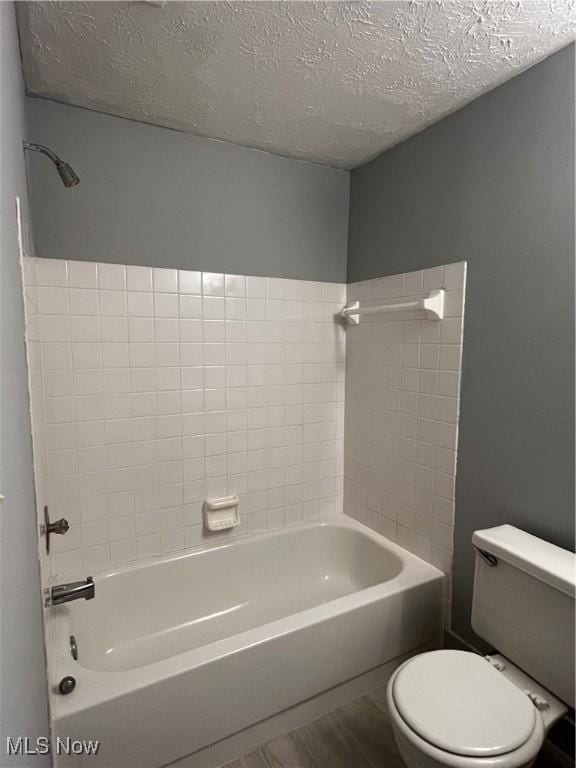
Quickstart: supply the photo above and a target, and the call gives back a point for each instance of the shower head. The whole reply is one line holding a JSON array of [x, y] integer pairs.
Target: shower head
[[67, 174], [65, 171]]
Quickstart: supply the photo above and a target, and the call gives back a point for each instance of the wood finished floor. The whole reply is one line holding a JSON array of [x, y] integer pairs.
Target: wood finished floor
[[358, 735]]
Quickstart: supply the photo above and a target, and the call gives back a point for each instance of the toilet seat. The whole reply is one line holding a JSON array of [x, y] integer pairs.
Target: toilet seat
[[453, 708], [461, 704]]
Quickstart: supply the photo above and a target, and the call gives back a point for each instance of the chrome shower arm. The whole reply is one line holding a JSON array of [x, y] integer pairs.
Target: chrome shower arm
[[45, 150]]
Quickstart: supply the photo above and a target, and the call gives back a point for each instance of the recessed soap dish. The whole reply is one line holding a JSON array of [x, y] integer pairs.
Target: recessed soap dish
[[222, 513]]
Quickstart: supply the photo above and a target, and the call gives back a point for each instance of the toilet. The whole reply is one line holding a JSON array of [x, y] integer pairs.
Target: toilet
[[457, 708]]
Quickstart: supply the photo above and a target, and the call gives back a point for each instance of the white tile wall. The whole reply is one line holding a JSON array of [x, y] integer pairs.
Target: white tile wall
[[155, 388], [402, 409]]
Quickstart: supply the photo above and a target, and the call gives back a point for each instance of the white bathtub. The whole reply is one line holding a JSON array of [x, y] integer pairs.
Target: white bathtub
[[178, 653]]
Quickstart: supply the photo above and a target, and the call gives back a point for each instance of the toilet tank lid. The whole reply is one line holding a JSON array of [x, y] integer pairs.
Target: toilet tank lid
[[548, 563]]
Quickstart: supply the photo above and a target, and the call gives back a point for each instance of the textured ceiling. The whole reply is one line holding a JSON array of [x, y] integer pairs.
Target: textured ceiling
[[332, 82]]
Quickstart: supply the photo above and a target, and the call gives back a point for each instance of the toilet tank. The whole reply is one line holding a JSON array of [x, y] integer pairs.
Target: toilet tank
[[523, 604]]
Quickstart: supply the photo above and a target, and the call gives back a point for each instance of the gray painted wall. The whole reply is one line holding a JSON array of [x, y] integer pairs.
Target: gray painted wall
[[23, 692], [494, 184], [158, 197]]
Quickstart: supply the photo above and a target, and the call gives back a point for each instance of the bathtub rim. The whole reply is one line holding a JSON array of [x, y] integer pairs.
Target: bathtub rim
[[340, 520]]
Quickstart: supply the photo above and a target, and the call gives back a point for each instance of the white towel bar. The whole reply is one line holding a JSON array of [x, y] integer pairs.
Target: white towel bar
[[433, 305]]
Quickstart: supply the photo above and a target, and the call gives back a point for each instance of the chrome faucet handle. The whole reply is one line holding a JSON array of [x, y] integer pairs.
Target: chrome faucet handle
[[58, 526]]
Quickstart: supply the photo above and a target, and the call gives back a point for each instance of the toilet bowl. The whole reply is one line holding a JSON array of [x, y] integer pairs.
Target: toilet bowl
[[458, 709]]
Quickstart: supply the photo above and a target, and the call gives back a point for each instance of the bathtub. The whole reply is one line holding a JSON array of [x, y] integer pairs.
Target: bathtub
[[176, 654]]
